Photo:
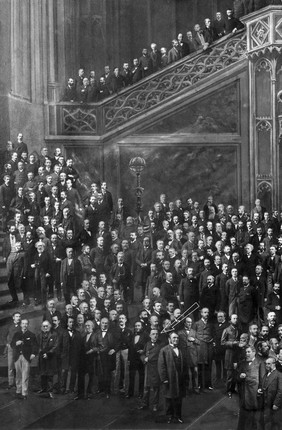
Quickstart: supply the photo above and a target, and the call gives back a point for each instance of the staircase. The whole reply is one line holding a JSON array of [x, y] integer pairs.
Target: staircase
[[4, 291], [133, 104], [5, 297]]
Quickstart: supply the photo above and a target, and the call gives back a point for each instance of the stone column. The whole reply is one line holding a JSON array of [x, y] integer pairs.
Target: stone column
[[264, 44]]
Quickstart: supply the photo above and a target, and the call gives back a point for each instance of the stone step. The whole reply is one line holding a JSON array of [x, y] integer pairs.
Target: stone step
[[3, 279], [4, 290], [5, 295], [3, 271]]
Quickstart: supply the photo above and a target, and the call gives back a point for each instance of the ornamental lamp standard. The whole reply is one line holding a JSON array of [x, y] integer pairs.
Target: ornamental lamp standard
[[136, 165]]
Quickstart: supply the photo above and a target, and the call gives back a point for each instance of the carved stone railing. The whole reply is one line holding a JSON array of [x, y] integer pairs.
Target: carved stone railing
[[169, 83], [264, 30], [78, 120], [101, 118]]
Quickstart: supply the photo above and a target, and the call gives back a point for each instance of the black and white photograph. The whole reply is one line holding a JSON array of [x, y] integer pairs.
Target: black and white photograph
[[140, 214]]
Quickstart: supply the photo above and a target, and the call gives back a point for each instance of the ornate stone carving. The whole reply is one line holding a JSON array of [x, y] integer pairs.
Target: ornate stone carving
[[264, 64], [264, 187], [263, 125], [79, 120], [280, 129], [260, 32], [279, 96], [264, 176], [278, 29], [154, 91]]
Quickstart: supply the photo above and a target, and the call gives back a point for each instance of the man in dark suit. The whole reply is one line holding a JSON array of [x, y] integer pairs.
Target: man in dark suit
[[136, 71], [103, 207], [70, 94], [106, 347], [259, 284], [204, 333], [70, 274], [121, 277], [146, 64], [6, 195], [229, 342], [9, 241], [91, 214], [271, 390], [75, 345], [126, 75], [208, 32], [246, 304], [155, 57], [42, 266], [98, 255], [86, 362], [62, 353], [232, 289], [83, 92], [218, 349], [117, 81], [272, 267], [143, 261], [219, 25], [123, 336], [15, 267], [20, 146], [274, 303], [51, 311], [190, 42], [249, 376], [171, 372], [93, 90], [107, 76], [87, 266], [199, 40], [169, 290], [210, 297], [173, 53], [135, 351], [57, 253], [183, 47], [150, 357], [47, 360], [232, 24], [73, 195], [25, 348], [103, 89], [188, 344], [164, 58]]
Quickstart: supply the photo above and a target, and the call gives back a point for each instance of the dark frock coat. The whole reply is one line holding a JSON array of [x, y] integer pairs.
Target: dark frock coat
[[47, 366], [167, 372]]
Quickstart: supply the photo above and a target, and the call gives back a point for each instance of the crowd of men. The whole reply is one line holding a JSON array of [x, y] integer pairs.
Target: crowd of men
[[88, 89], [85, 89], [96, 257]]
